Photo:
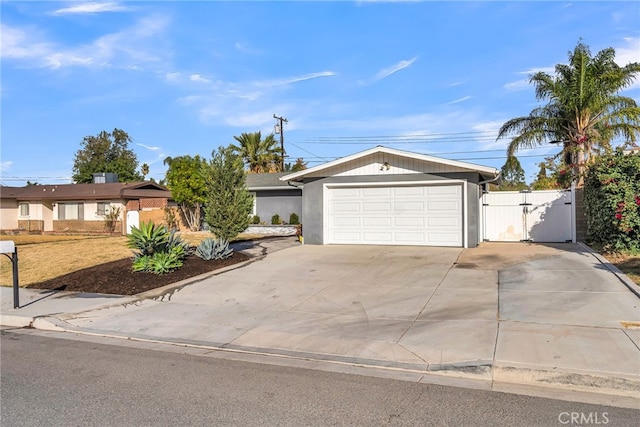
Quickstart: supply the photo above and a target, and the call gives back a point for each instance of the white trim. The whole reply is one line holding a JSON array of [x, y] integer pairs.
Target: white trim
[[393, 151], [328, 185], [574, 227], [255, 203], [281, 187]]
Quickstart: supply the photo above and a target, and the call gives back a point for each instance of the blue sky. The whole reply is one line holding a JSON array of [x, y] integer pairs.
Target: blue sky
[[183, 78]]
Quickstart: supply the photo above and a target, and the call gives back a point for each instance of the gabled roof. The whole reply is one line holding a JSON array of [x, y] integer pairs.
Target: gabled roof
[[456, 165], [267, 181], [115, 190]]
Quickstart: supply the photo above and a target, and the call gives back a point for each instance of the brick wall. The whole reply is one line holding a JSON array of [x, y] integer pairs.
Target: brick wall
[[83, 226], [153, 203], [158, 216], [31, 224]]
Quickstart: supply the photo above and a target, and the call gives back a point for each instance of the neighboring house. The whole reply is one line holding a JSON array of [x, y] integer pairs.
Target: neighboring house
[[388, 196], [274, 196], [79, 207]]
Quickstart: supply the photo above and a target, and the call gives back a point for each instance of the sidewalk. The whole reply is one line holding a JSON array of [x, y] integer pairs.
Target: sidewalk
[[559, 324]]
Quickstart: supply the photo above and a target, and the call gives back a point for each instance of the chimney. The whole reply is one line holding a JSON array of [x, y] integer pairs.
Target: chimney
[[104, 178]]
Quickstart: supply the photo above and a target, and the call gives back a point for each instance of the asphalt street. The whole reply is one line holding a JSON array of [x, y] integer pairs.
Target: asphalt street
[[54, 381]]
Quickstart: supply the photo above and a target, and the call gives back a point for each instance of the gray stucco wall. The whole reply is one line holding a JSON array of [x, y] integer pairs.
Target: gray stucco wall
[[312, 200], [281, 202]]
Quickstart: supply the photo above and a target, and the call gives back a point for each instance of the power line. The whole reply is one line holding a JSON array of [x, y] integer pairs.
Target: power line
[[418, 135], [462, 159]]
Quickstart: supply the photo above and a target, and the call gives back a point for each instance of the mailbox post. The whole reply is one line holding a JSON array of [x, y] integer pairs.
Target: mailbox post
[[8, 249]]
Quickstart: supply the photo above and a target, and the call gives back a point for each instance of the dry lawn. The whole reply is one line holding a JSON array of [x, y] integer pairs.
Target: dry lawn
[[46, 257], [55, 257], [628, 264]]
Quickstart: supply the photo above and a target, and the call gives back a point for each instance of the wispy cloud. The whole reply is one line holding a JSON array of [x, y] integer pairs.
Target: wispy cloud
[[6, 165], [518, 85], [386, 72], [530, 71], [296, 79], [523, 84], [124, 49], [198, 78], [241, 47], [630, 52], [90, 8], [148, 147], [457, 101]]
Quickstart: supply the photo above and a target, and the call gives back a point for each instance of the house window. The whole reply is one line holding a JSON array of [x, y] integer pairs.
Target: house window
[[70, 211], [103, 208], [24, 209]]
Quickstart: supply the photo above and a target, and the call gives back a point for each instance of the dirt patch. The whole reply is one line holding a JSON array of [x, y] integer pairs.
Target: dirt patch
[[117, 278], [499, 255]]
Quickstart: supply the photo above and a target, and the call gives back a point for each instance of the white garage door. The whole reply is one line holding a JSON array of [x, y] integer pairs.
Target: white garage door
[[429, 215]]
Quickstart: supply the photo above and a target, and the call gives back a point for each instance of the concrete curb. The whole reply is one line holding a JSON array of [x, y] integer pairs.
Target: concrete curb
[[591, 387], [635, 289], [15, 321]]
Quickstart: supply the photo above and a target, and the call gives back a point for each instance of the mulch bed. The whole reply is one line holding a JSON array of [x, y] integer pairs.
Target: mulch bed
[[117, 277]]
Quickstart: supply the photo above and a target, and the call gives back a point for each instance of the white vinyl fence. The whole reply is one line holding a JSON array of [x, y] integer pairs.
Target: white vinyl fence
[[533, 216]]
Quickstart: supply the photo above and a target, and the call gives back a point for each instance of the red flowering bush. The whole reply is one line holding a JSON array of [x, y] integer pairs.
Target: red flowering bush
[[612, 202]]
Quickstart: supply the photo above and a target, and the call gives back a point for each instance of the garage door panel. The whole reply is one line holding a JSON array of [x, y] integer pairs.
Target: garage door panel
[[408, 221], [345, 236], [347, 193], [404, 206], [444, 221], [376, 237], [376, 207], [376, 192], [402, 215], [410, 238], [408, 191], [451, 190], [346, 221], [377, 222], [448, 206], [347, 207]]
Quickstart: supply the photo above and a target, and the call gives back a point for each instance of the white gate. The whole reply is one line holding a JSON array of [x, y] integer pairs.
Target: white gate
[[133, 220], [533, 216]]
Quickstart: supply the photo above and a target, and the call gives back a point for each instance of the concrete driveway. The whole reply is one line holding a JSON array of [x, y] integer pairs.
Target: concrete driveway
[[547, 314]]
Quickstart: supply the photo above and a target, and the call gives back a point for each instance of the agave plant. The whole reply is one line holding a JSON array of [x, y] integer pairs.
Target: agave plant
[[212, 249], [158, 250], [148, 239]]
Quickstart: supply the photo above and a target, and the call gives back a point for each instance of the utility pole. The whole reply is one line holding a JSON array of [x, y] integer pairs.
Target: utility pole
[[280, 130]]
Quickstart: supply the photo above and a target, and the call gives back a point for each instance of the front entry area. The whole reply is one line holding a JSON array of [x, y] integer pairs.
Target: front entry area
[[409, 214]]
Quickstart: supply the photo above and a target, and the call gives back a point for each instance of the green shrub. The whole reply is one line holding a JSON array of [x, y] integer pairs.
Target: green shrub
[[612, 202], [255, 219], [164, 262], [170, 217], [293, 219], [212, 249], [141, 263], [275, 220], [111, 219]]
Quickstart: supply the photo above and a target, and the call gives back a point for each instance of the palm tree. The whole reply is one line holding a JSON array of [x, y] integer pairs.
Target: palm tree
[[260, 155], [584, 112]]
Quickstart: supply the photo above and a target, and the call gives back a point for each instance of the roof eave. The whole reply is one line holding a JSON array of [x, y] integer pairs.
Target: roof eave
[[297, 176]]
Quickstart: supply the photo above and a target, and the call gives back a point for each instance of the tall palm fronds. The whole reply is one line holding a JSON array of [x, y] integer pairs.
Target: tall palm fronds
[[583, 112], [260, 155]]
